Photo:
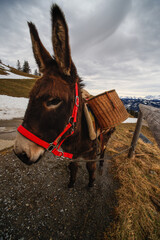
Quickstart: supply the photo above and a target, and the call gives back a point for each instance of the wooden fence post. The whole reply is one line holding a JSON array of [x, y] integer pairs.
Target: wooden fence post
[[136, 134]]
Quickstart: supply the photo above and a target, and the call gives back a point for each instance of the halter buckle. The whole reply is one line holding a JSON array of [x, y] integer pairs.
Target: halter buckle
[[51, 147], [70, 120]]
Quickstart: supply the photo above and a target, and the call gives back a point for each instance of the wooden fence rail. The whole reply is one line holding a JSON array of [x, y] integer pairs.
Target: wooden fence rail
[[152, 116]]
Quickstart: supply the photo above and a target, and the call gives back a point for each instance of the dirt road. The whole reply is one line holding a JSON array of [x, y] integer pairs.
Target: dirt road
[[8, 132], [36, 203]]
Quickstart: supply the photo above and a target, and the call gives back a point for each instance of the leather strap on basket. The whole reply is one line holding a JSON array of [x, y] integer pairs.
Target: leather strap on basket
[[113, 105]]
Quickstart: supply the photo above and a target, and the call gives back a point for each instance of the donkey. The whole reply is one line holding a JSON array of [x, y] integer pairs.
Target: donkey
[[55, 109]]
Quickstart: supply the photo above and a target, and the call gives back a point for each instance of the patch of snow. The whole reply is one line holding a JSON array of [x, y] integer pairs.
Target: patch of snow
[[14, 76], [130, 120], [6, 68], [2, 129], [12, 107], [11, 75]]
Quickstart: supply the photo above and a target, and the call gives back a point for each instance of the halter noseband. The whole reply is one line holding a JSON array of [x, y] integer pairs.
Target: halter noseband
[[55, 145]]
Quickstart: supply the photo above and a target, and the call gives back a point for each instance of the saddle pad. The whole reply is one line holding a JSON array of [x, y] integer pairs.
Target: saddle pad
[[90, 118], [91, 122]]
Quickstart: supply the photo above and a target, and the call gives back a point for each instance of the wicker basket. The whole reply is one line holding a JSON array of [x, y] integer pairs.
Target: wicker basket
[[108, 109]]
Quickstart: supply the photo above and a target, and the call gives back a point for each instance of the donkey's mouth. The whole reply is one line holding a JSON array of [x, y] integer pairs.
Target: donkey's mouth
[[37, 160], [24, 158]]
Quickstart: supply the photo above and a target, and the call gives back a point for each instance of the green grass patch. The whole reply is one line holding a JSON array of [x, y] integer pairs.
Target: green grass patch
[[16, 87]]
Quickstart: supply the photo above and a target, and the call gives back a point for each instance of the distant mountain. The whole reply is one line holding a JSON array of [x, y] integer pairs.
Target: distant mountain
[[150, 97], [132, 103]]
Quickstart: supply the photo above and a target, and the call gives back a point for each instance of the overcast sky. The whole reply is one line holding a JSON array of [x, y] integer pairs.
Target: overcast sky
[[115, 44]]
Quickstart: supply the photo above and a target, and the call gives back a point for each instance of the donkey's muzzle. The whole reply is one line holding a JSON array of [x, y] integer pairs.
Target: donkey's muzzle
[[24, 158]]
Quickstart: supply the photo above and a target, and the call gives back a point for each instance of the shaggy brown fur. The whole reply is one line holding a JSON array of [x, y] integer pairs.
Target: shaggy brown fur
[[58, 85]]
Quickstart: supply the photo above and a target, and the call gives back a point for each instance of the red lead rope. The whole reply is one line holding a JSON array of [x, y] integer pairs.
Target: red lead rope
[[55, 145]]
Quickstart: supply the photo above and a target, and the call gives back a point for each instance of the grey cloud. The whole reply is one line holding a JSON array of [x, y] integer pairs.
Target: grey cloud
[[114, 44], [15, 38], [99, 24]]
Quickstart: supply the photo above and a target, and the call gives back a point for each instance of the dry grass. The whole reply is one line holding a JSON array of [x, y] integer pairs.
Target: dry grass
[[138, 210], [2, 71], [16, 87]]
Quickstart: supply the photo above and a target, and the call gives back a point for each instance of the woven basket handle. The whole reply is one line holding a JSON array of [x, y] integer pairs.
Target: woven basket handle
[[110, 100]]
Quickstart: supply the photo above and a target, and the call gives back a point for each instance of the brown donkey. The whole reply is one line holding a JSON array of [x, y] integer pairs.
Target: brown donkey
[[52, 105]]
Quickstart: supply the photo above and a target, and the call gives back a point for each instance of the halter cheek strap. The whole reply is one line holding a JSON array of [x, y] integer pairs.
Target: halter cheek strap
[[55, 145]]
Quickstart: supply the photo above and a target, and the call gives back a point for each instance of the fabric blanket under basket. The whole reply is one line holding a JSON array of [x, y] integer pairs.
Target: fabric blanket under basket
[[93, 132]]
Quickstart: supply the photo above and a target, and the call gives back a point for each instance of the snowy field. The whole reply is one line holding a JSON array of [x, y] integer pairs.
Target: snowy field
[[14, 107], [13, 76], [130, 120]]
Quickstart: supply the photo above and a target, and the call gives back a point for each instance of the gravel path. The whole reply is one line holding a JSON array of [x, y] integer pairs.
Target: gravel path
[[8, 129], [36, 203]]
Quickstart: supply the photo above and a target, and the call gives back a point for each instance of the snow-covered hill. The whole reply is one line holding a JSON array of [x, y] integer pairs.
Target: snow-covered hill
[[7, 72], [12, 107]]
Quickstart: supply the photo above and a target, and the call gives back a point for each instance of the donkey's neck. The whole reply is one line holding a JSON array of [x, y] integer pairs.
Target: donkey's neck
[[79, 144]]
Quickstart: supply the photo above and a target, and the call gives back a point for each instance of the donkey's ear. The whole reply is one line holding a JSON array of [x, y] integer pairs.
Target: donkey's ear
[[41, 55], [60, 40]]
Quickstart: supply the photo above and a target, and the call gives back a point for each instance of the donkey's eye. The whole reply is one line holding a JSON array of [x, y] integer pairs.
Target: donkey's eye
[[53, 102]]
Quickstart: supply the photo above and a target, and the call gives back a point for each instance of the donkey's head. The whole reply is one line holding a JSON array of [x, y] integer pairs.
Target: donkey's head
[[52, 97]]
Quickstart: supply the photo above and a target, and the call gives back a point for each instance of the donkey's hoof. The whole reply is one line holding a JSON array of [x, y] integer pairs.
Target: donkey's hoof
[[101, 162], [91, 184], [100, 170], [70, 185]]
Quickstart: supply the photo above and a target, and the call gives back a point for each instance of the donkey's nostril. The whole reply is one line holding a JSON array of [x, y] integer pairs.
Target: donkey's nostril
[[24, 158], [24, 154]]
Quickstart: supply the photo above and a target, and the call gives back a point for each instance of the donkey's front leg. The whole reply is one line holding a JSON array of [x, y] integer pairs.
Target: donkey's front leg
[[91, 167], [73, 167]]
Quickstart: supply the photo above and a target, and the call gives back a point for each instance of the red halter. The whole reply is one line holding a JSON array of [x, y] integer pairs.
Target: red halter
[[55, 145]]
